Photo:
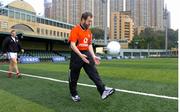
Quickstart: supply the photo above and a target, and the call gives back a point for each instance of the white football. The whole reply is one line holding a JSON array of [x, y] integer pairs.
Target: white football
[[113, 48]]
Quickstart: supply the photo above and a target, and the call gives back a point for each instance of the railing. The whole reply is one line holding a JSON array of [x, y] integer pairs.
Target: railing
[[101, 41], [143, 50]]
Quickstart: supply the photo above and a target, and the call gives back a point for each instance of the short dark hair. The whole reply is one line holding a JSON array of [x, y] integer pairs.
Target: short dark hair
[[13, 31], [85, 15]]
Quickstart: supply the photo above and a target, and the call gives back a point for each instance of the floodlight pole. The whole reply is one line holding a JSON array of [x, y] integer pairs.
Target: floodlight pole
[[105, 20], [166, 30]]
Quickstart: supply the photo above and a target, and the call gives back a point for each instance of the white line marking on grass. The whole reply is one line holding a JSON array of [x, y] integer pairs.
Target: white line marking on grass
[[87, 85]]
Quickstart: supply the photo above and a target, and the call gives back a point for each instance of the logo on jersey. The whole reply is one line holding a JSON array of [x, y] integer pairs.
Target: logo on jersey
[[85, 40]]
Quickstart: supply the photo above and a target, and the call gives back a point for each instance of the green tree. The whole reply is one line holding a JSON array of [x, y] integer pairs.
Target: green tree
[[97, 33], [148, 36], [172, 38], [152, 39]]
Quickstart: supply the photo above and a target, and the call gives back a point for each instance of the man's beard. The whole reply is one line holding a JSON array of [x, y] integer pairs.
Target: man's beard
[[85, 26]]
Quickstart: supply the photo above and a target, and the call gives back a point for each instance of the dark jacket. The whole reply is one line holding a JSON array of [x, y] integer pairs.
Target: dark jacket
[[9, 45]]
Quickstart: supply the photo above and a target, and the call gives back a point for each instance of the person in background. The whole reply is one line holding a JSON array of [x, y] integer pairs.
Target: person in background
[[10, 47]]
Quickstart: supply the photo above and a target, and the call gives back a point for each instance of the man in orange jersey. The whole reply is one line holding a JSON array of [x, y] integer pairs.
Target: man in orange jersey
[[83, 55]]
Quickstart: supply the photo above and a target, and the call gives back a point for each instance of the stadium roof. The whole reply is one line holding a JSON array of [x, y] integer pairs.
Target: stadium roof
[[20, 4]]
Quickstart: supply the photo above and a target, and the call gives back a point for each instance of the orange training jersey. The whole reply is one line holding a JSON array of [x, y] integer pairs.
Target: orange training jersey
[[83, 38]]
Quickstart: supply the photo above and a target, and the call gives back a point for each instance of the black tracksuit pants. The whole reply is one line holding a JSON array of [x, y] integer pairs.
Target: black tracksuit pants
[[76, 63]]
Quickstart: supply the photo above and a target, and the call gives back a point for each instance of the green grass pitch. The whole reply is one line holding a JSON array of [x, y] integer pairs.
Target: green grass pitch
[[154, 75]]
